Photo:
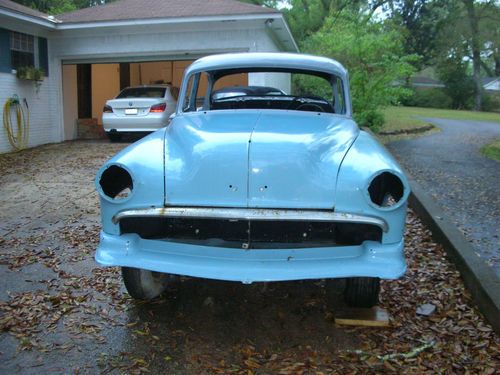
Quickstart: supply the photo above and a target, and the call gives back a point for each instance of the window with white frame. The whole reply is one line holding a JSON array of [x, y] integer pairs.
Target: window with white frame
[[22, 50]]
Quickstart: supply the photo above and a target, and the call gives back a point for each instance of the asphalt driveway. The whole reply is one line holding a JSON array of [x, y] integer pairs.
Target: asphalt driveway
[[449, 166], [61, 313]]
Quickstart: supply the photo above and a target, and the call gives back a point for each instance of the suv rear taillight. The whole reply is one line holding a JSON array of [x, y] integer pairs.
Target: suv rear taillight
[[157, 108], [107, 109]]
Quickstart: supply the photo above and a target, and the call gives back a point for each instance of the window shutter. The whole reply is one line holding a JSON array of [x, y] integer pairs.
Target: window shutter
[[5, 51], [43, 56]]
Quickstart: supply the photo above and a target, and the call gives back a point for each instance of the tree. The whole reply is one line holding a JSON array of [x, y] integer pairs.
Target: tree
[[267, 3], [60, 6], [421, 22], [375, 57], [305, 17], [472, 35], [476, 51], [459, 86]]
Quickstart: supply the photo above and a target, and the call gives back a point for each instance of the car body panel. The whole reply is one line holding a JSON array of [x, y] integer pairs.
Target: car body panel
[[370, 259], [294, 159], [206, 158], [144, 160], [249, 158], [366, 159]]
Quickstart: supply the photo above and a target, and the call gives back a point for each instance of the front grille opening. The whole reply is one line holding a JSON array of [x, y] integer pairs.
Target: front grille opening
[[251, 234]]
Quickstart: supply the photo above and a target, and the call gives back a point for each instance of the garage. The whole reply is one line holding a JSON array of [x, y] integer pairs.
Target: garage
[[94, 52], [87, 87]]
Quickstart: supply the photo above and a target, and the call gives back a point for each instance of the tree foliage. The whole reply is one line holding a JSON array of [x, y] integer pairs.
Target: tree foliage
[[459, 86], [421, 22], [374, 55], [60, 6]]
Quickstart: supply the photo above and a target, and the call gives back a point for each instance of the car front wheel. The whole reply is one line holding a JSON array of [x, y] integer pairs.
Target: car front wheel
[[362, 291], [144, 284]]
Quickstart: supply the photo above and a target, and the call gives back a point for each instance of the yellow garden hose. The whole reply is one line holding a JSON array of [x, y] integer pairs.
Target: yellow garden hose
[[17, 134]]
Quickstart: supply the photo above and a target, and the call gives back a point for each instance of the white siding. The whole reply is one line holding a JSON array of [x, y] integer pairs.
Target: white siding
[[157, 42], [70, 101], [265, 43], [44, 111]]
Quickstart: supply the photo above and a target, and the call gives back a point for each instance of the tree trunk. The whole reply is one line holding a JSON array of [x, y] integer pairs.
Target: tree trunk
[[476, 52], [497, 64]]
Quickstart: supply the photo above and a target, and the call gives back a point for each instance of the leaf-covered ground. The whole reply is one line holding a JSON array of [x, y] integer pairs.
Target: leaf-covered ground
[[61, 313]]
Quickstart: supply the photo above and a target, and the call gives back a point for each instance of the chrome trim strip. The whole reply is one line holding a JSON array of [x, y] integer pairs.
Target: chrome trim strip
[[251, 214]]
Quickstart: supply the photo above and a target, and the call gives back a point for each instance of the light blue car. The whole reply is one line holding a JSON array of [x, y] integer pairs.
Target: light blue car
[[256, 186]]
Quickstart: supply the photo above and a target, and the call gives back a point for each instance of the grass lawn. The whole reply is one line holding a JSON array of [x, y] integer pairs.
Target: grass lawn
[[404, 118], [492, 150]]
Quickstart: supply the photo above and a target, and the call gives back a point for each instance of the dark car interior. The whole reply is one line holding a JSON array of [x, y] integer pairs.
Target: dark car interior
[[286, 102]]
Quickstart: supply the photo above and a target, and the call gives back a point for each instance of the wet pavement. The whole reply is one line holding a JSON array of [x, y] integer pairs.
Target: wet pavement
[[61, 313], [449, 166]]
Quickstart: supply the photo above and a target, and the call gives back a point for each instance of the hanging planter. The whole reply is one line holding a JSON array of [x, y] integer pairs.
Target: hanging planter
[[31, 73]]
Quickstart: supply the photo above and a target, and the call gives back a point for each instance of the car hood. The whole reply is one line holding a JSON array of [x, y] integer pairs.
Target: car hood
[[268, 159]]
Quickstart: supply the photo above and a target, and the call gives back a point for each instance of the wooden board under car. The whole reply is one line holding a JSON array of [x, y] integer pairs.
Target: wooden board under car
[[372, 317]]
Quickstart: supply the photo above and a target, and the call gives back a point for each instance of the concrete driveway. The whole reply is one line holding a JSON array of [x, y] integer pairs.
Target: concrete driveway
[[61, 313], [449, 166]]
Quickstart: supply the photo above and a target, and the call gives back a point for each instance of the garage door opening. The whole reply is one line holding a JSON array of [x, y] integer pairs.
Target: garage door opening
[[87, 87]]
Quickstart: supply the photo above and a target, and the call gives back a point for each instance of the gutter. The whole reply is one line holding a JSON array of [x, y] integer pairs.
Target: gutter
[[155, 21]]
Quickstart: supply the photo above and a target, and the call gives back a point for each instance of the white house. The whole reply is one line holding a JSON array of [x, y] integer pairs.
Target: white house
[[491, 84], [89, 54]]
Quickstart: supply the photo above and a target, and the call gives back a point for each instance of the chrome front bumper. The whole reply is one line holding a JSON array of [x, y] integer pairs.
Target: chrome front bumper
[[261, 214]]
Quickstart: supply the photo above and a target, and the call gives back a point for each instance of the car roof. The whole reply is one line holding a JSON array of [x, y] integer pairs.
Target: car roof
[[267, 60]]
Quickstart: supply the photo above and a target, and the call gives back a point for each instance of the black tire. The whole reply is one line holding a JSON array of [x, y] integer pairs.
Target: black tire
[[144, 284], [114, 136], [362, 291]]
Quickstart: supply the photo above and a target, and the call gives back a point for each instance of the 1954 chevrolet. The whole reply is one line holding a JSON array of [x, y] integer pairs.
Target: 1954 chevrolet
[[259, 185]]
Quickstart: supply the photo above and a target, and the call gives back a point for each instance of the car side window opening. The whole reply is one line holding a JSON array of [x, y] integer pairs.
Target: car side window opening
[[196, 91], [258, 89]]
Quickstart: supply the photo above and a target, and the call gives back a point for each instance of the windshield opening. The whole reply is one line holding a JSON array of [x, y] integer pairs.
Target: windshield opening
[[255, 88]]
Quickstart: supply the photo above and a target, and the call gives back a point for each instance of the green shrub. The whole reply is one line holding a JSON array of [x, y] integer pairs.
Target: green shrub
[[491, 102], [375, 57], [430, 98], [372, 119]]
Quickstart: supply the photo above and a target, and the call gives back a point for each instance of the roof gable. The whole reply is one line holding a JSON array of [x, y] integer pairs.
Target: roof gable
[[149, 9]]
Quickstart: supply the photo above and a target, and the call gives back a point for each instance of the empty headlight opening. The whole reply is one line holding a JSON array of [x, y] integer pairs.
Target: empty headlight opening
[[386, 190], [116, 183]]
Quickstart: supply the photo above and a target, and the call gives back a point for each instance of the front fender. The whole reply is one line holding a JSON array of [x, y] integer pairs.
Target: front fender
[[144, 160], [366, 159]]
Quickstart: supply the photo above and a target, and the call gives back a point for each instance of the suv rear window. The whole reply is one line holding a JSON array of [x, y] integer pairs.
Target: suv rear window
[[142, 92]]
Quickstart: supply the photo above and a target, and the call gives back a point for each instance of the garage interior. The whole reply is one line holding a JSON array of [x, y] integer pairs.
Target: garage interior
[[87, 87]]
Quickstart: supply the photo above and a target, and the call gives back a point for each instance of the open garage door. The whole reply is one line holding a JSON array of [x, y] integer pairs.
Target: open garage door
[[87, 86]]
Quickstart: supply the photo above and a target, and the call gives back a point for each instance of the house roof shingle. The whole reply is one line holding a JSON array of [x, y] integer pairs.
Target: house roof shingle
[[487, 80], [147, 9], [18, 8]]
